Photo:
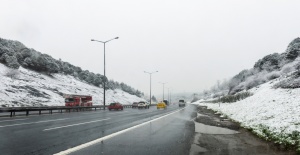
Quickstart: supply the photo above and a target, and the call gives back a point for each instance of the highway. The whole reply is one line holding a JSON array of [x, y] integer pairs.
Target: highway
[[131, 131]]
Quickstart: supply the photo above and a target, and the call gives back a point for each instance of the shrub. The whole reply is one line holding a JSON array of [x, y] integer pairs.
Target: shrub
[[10, 61], [232, 98], [289, 83], [287, 69], [12, 73], [272, 75]]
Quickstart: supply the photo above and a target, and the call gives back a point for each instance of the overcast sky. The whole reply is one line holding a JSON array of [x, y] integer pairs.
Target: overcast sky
[[192, 43]]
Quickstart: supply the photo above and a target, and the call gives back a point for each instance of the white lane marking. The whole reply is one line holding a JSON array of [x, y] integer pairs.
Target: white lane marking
[[13, 120], [75, 124], [90, 113], [79, 147], [94, 112], [33, 122]]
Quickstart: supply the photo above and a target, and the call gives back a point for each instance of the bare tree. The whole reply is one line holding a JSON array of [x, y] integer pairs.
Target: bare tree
[[218, 84], [231, 84]]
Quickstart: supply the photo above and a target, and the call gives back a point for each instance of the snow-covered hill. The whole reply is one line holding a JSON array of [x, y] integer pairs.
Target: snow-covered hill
[[30, 88], [273, 113]]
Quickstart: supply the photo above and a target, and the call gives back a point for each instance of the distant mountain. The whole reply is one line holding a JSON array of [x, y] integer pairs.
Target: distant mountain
[[286, 64], [14, 54]]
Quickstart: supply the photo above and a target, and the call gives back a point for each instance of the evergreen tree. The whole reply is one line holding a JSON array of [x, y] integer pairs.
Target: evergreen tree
[[14, 54]]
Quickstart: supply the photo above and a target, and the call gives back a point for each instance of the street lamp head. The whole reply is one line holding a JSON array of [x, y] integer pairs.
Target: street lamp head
[[92, 40], [117, 38], [156, 71]]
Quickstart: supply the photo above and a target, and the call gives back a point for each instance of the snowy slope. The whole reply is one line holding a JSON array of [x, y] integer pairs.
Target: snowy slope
[[30, 88], [271, 113]]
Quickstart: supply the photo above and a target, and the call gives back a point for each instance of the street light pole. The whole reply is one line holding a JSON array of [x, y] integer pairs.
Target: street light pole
[[163, 83], [150, 73], [104, 82], [169, 94]]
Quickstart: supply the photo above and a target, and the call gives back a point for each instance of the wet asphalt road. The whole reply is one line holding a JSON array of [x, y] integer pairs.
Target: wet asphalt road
[[50, 134]]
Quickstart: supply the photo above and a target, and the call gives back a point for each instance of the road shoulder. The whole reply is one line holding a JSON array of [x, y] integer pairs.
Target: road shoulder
[[236, 140]]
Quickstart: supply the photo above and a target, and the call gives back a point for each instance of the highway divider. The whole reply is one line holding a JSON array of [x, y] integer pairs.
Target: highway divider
[[60, 109]]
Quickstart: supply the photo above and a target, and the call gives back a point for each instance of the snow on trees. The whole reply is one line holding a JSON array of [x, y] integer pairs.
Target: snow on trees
[[269, 63], [10, 61], [293, 50], [269, 67], [14, 54], [97, 80]]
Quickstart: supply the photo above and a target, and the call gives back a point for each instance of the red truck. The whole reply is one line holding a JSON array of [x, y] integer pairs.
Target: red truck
[[78, 100]]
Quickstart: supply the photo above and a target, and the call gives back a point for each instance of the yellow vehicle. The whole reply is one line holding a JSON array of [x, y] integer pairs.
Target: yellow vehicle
[[161, 105]]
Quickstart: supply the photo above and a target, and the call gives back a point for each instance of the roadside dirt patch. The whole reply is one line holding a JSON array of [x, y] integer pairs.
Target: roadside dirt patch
[[209, 117], [220, 136]]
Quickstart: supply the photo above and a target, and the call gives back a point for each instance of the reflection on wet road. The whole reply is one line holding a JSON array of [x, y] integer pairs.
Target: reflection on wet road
[[169, 135], [50, 134], [208, 129]]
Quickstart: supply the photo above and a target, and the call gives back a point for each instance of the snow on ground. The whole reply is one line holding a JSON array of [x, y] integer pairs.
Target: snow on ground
[[31, 88], [269, 112]]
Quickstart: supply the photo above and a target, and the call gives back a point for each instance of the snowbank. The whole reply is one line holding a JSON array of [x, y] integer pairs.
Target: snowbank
[[30, 88], [271, 113]]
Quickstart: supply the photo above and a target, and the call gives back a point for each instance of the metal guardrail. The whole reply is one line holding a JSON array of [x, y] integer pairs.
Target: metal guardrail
[[13, 110]]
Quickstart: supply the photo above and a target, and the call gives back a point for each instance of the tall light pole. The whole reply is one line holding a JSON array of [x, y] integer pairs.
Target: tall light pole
[[150, 73], [104, 82], [163, 83], [169, 94]]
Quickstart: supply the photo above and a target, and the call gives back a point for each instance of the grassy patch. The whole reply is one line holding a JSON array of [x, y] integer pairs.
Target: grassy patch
[[289, 141], [285, 141]]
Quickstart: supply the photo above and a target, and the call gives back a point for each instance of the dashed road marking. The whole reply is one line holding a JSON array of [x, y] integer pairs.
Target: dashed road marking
[[75, 124], [33, 122], [13, 120], [85, 145]]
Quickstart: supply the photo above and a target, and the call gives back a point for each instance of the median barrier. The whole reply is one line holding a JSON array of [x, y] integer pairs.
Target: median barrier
[[13, 110]]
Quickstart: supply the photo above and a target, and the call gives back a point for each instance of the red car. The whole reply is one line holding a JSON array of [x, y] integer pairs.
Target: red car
[[115, 106]]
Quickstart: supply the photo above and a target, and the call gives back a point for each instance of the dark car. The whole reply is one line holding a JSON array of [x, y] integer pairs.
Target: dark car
[[181, 103], [135, 104], [166, 102], [115, 106]]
